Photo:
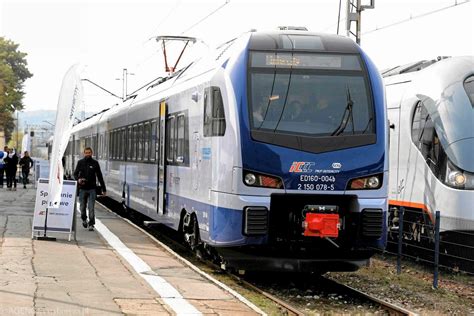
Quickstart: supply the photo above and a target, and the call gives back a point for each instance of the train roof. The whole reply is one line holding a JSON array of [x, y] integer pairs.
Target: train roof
[[301, 40], [444, 70]]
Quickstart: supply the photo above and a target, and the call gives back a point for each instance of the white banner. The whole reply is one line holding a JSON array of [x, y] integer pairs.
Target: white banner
[[25, 144], [59, 218], [70, 99]]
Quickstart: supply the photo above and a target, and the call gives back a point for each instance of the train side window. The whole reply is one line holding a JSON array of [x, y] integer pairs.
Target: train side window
[[133, 148], [129, 143], [154, 138], [214, 116], [111, 142], [469, 87], [94, 144], [140, 142], [117, 144], [99, 147], [146, 141], [181, 140], [170, 138], [122, 144], [114, 144]]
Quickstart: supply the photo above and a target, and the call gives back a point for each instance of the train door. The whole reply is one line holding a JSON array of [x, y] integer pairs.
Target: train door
[[394, 146], [161, 190]]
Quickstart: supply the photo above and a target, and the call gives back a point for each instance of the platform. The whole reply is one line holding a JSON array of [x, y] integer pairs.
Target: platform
[[115, 270]]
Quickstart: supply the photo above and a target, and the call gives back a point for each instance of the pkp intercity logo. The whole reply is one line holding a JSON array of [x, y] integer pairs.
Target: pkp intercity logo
[[301, 167]]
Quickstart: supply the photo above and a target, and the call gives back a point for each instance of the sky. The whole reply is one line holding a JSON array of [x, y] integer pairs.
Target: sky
[[106, 36]]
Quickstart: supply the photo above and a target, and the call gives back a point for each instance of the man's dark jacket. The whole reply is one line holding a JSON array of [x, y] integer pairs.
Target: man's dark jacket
[[26, 163], [89, 169]]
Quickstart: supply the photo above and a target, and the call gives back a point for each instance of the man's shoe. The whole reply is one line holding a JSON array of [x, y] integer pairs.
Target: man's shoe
[[84, 223], [91, 228], [14, 189], [24, 187]]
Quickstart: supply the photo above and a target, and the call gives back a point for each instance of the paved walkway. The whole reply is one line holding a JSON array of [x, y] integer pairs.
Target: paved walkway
[[89, 276]]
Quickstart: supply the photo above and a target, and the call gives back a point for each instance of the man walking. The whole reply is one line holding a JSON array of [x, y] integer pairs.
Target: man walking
[[25, 163], [87, 170]]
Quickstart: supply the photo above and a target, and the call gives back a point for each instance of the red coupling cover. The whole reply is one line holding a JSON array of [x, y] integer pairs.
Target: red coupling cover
[[321, 225]]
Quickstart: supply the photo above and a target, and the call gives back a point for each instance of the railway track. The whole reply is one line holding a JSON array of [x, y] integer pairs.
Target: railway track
[[249, 282]]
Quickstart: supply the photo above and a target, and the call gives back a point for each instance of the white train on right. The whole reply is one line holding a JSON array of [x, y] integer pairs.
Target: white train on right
[[431, 112]]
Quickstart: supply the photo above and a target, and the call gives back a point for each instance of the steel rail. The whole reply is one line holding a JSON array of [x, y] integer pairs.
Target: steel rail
[[291, 310]]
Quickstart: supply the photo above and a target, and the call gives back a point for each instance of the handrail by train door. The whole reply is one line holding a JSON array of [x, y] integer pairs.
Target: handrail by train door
[[161, 190]]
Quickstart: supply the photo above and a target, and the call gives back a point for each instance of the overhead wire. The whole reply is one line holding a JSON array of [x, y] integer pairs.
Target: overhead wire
[[206, 17], [411, 18], [178, 2]]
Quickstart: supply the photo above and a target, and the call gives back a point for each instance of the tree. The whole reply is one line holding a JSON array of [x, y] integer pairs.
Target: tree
[[13, 74]]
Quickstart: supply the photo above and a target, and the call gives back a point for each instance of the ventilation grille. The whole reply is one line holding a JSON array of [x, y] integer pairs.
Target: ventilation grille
[[255, 221], [372, 223]]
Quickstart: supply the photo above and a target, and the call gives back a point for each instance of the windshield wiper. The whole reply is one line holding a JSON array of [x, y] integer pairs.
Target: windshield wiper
[[269, 101], [345, 116]]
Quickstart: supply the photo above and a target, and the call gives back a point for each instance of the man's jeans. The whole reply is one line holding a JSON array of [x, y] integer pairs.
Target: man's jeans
[[87, 197], [24, 176]]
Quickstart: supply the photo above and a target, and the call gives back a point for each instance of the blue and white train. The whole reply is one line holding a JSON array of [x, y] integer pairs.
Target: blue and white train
[[271, 151]]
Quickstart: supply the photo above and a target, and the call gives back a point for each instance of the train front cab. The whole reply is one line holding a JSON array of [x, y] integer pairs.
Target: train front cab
[[313, 182]]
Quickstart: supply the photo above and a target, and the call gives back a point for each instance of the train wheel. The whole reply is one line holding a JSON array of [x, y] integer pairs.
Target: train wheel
[[191, 231]]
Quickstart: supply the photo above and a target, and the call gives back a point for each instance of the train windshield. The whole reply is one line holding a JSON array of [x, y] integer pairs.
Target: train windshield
[[309, 95]]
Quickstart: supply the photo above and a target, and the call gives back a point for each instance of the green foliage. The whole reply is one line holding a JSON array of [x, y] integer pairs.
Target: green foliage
[[13, 74]]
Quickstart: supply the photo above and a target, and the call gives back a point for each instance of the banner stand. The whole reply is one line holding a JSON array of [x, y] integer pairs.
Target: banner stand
[[44, 237], [49, 220]]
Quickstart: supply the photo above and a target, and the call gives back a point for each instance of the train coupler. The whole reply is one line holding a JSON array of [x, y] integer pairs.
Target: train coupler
[[321, 221]]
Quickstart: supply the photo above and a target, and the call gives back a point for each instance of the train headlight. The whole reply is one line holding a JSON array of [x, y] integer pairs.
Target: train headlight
[[250, 179], [373, 182], [367, 183], [254, 179], [456, 178]]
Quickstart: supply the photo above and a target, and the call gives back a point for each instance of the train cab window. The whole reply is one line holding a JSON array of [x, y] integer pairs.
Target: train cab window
[[214, 116], [469, 87], [426, 139], [154, 138]]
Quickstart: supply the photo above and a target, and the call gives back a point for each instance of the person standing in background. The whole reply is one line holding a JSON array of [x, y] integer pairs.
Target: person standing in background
[[11, 162], [25, 163], [3, 155]]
